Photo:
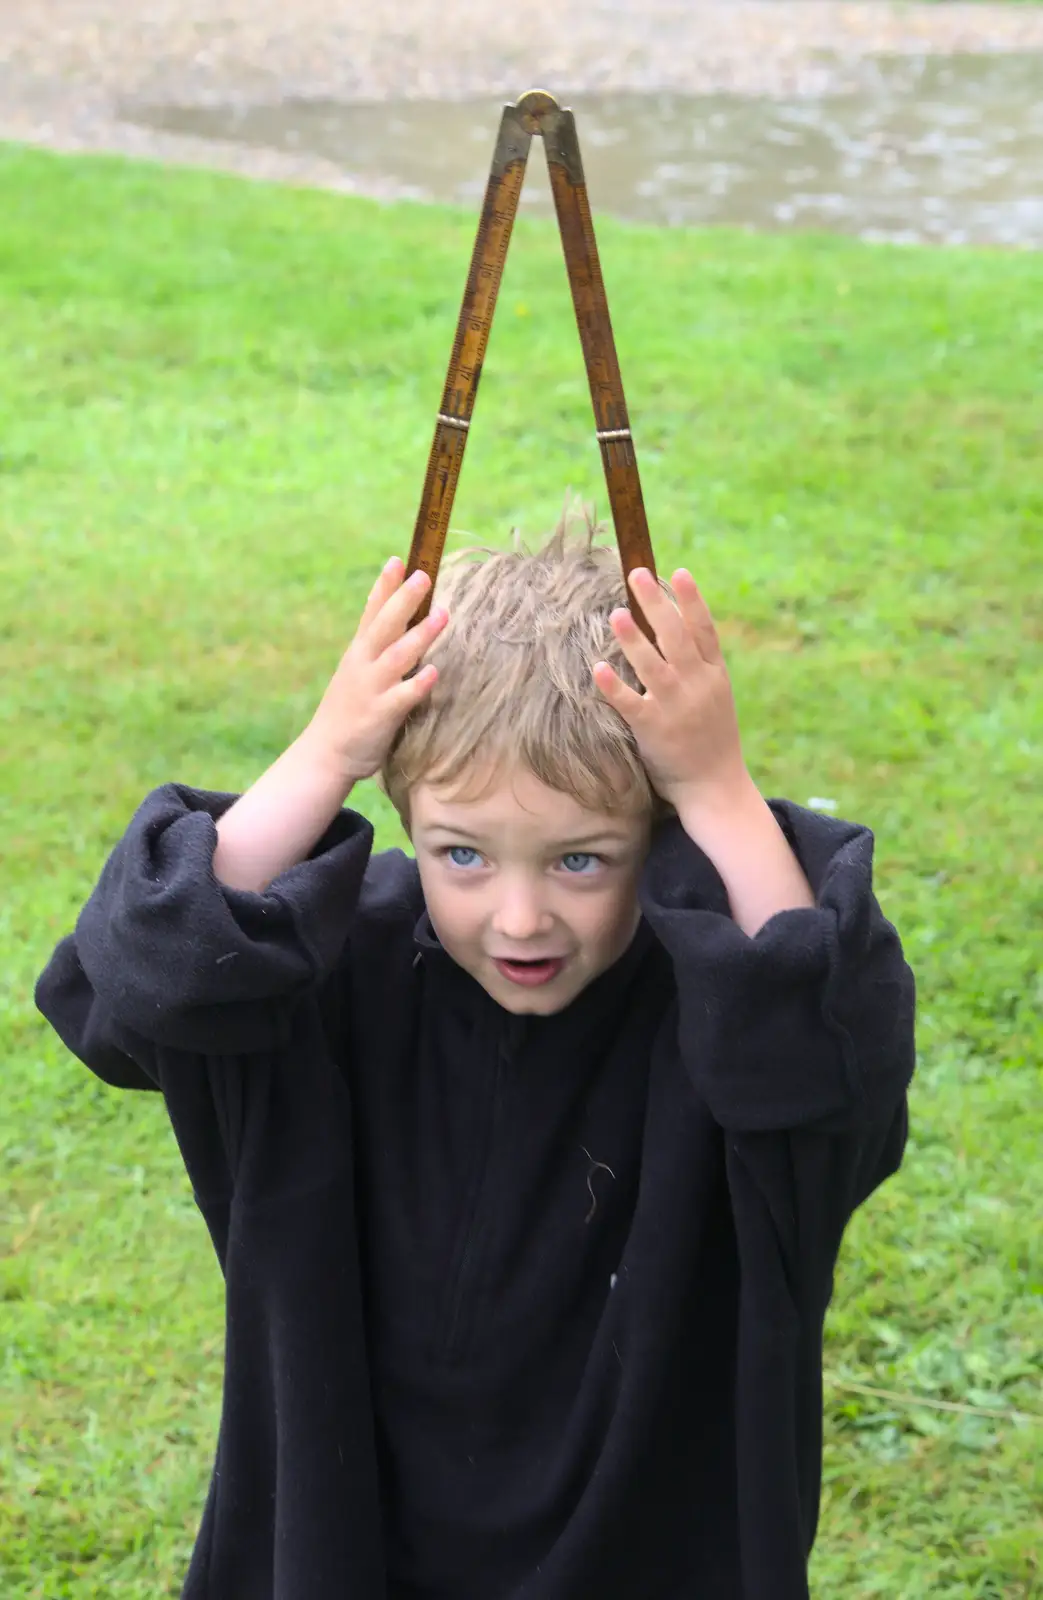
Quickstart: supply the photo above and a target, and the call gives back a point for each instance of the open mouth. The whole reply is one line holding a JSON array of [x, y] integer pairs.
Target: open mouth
[[530, 973]]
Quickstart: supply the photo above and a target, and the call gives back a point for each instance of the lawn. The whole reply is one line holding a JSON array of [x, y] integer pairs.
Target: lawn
[[216, 400]]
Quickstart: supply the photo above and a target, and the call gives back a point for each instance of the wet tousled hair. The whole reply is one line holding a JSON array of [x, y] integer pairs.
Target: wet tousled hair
[[515, 689]]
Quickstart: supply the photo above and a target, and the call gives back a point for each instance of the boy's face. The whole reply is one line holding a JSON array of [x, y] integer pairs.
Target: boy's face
[[525, 874]]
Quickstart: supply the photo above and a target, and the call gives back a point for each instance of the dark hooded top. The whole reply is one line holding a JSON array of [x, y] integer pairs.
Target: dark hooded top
[[518, 1308]]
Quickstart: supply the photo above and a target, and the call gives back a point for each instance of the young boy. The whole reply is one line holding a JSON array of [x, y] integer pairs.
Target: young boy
[[526, 1161]]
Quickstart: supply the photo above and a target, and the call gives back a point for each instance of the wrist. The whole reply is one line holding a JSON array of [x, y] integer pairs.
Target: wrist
[[280, 819], [710, 807], [739, 833], [731, 825], [313, 752]]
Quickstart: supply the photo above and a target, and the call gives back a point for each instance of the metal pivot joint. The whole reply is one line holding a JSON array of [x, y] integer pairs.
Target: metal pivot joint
[[535, 113]]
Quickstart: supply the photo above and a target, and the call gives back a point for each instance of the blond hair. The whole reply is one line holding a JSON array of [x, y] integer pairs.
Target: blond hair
[[514, 687]]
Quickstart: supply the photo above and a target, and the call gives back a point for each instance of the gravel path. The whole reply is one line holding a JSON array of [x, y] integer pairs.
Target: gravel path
[[72, 71]]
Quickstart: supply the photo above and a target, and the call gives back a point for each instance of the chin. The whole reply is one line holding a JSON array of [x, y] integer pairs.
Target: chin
[[524, 1005]]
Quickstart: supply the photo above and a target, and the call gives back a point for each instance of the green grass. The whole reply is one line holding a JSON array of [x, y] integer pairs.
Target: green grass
[[216, 401]]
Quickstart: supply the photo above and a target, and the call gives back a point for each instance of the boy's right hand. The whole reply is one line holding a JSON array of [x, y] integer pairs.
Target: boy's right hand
[[369, 696]]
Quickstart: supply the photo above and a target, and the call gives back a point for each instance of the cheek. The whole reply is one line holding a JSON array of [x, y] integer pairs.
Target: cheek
[[457, 916], [605, 918]]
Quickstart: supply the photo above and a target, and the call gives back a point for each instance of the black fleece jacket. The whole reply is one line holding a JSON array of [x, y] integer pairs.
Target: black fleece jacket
[[518, 1308]]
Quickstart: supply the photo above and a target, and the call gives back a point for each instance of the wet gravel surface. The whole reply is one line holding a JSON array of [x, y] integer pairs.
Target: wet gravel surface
[[72, 72]]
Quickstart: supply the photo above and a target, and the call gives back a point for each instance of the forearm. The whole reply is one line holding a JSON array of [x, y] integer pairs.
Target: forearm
[[739, 834], [280, 819]]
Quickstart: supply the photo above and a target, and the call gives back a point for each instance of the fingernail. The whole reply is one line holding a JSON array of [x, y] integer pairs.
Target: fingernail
[[438, 614], [389, 565]]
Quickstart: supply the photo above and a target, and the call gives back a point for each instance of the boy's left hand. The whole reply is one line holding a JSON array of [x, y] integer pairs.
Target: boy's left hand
[[685, 723]]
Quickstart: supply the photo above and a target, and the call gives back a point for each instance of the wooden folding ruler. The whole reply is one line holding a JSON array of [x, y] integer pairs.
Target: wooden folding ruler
[[535, 113]]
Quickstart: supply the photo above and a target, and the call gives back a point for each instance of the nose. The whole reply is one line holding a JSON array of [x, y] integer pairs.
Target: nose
[[519, 913]]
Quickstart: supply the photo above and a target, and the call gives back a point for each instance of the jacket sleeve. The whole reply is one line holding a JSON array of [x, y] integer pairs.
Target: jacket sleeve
[[164, 956], [800, 1042], [807, 1025]]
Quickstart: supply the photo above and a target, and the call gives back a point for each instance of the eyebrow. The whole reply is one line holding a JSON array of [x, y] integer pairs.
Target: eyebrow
[[605, 837]]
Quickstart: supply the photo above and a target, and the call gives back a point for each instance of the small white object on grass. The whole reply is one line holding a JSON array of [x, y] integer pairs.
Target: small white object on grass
[[816, 803]]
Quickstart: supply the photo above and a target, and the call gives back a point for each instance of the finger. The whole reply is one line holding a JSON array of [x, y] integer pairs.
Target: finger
[[696, 614], [402, 656], [412, 690], [654, 672], [672, 635], [395, 615], [619, 695], [388, 579]]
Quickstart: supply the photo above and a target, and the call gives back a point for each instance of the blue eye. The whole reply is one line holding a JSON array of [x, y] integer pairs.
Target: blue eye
[[579, 855], [459, 849], [577, 863]]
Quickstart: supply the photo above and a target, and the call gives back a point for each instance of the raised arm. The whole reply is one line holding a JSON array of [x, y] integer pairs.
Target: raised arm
[[214, 916], [279, 820], [809, 1022]]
